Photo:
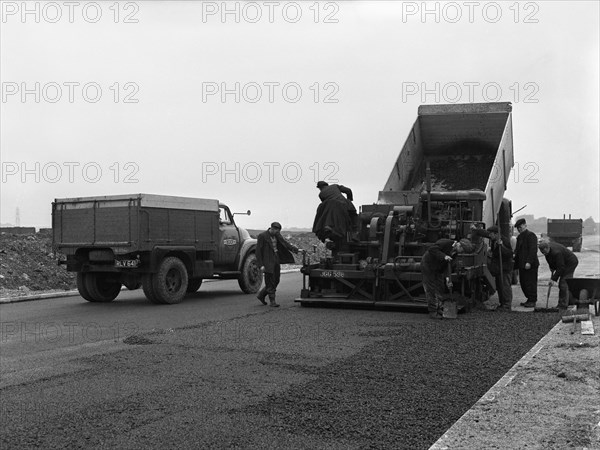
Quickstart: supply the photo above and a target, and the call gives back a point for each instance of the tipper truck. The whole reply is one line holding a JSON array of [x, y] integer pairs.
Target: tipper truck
[[165, 244], [567, 232], [450, 176]]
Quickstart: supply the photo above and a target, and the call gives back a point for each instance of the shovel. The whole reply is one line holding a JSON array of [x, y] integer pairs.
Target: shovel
[[450, 304], [546, 309]]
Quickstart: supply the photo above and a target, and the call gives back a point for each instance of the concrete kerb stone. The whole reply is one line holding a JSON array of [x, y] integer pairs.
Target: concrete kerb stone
[[47, 295]]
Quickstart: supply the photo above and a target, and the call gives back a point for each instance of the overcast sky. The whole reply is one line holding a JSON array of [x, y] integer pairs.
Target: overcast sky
[[251, 103]]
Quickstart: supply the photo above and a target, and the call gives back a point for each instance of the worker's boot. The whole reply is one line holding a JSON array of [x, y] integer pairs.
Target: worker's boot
[[261, 296], [273, 303]]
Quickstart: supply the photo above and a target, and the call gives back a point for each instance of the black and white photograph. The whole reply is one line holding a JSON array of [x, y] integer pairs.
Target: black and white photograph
[[310, 224]]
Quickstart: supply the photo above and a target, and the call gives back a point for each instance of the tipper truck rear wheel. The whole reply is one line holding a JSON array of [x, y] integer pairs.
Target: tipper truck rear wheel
[[100, 287], [170, 282], [251, 277]]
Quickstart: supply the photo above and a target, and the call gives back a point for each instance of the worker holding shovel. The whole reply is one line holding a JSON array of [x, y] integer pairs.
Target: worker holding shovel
[[500, 264], [563, 263]]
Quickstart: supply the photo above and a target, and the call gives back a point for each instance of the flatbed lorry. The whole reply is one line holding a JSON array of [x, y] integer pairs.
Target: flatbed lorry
[[165, 244]]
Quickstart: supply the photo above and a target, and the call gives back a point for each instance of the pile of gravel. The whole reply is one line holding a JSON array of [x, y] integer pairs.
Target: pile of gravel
[[406, 390]]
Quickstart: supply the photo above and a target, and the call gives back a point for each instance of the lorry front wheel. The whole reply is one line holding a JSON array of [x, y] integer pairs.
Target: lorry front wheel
[[101, 287], [251, 278], [171, 281]]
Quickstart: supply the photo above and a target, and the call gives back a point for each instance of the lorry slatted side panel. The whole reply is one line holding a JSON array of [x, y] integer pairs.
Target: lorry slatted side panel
[[81, 225], [207, 227], [116, 225], [181, 227], [178, 227], [157, 221]]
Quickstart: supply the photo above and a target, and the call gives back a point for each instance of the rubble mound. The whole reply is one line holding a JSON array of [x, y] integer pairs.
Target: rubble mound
[[28, 263]]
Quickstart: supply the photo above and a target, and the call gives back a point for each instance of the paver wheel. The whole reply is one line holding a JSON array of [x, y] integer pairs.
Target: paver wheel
[[81, 286], [193, 285], [101, 287], [251, 277], [171, 281]]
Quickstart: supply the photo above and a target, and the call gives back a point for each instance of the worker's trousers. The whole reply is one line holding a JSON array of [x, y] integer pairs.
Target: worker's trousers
[[433, 283], [504, 287], [564, 295], [271, 283], [528, 280]]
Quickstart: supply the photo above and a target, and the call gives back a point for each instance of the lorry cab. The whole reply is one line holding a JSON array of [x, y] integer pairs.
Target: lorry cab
[[230, 239]]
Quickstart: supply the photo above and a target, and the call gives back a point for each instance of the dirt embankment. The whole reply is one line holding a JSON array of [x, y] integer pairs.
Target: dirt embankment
[[28, 263]]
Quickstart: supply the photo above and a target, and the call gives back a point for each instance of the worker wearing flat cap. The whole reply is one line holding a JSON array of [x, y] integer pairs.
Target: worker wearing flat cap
[[526, 260], [272, 250], [563, 263], [500, 264]]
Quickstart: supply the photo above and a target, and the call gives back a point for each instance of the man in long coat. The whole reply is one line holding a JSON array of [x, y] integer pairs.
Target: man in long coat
[[272, 250], [526, 260], [336, 214]]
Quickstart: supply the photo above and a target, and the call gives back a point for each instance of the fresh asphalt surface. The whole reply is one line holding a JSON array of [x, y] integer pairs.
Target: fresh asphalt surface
[[220, 370], [64, 360]]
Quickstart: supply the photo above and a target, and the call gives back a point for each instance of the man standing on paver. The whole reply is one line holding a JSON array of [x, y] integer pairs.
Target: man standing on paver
[[526, 260], [563, 263], [272, 250]]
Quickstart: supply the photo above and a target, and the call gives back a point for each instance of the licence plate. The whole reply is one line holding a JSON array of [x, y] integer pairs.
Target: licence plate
[[130, 263]]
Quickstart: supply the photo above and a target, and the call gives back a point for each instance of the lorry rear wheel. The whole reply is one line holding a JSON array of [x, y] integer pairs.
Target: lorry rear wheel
[[148, 288], [81, 286], [171, 281], [577, 247], [251, 277], [193, 285], [101, 288]]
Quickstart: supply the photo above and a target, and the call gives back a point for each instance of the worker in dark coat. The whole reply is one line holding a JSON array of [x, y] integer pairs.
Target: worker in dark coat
[[435, 266], [336, 214], [501, 253], [272, 250], [526, 260], [563, 263]]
